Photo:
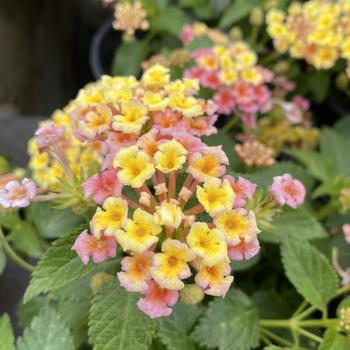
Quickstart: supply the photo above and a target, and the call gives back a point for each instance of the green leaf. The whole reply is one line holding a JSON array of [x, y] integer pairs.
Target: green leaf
[[115, 322], [342, 126], [271, 304], [334, 341], [174, 330], [274, 347], [199, 43], [310, 272], [229, 324], [51, 222], [128, 58], [9, 220], [58, 267], [48, 331], [336, 148], [263, 177], [6, 334], [237, 10], [76, 315], [2, 259], [294, 225], [318, 83], [317, 164], [26, 312], [25, 238], [171, 20]]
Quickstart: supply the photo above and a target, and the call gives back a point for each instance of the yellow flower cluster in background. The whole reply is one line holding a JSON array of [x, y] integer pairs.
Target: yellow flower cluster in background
[[317, 30]]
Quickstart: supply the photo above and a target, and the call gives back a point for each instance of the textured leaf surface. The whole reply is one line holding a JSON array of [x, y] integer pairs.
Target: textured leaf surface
[[310, 272], [174, 330], [59, 266], [295, 224], [317, 164], [115, 322], [229, 324], [334, 341], [51, 222], [47, 331], [6, 333]]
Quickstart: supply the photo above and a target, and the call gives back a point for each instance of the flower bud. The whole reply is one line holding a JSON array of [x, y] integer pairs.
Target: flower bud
[[256, 17], [281, 67], [344, 199], [344, 321], [341, 81], [236, 33], [98, 280], [4, 166], [270, 4], [191, 294]]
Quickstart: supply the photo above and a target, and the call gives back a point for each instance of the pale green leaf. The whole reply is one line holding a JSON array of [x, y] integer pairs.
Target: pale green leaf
[[25, 239], [336, 148], [334, 341], [76, 314], [59, 266], [317, 164], [115, 322], [128, 58], [229, 324], [199, 43], [171, 20], [310, 272], [294, 224], [6, 334], [2, 259], [26, 312], [9, 220], [48, 331], [51, 222], [174, 330], [342, 126], [235, 12]]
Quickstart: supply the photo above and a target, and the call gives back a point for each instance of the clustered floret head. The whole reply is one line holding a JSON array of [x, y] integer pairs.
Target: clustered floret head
[[316, 30], [185, 220]]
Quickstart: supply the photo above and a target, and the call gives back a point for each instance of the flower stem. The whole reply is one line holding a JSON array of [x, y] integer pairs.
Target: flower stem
[[342, 290], [310, 335], [13, 255], [231, 123]]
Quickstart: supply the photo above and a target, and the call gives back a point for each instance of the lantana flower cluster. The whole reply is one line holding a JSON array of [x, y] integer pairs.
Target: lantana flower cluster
[[184, 218], [240, 86], [114, 112], [316, 30], [177, 216]]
